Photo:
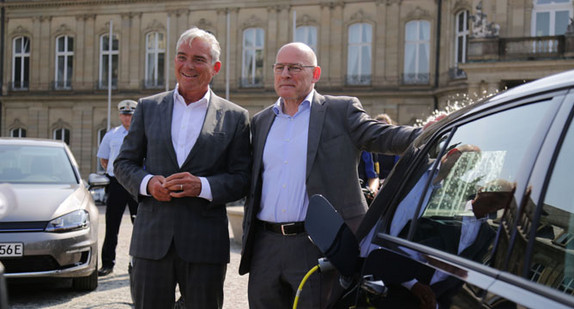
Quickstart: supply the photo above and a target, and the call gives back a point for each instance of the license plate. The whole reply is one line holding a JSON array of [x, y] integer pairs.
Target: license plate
[[11, 249]]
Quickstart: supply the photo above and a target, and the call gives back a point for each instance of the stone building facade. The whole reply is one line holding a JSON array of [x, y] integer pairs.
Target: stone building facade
[[406, 58]]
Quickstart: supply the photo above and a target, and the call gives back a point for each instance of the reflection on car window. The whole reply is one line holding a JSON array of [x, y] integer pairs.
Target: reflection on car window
[[35, 164], [471, 185], [553, 255]]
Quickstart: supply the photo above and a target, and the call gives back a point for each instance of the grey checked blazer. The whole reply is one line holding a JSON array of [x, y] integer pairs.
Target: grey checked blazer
[[339, 129], [222, 154]]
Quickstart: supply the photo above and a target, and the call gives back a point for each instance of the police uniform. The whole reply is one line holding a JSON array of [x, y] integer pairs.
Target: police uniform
[[118, 197]]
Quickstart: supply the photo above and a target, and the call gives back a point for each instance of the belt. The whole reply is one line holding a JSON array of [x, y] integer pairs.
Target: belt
[[285, 229]]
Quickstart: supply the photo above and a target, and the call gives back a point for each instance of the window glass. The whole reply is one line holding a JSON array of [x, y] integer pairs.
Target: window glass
[[64, 62], [461, 37], [252, 69], [18, 132], [417, 52], [105, 53], [35, 164], [550, 17], [359, 54], [21, 63], [307, 35], [553, 253], [62, 134], [465, 190], [155, 60]]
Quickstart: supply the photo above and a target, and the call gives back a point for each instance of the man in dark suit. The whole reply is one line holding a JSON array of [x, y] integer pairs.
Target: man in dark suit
[[304, 144], [186, 155]]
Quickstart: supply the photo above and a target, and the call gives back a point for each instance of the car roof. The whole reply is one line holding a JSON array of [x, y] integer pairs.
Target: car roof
[[32, 142], [549, 83]]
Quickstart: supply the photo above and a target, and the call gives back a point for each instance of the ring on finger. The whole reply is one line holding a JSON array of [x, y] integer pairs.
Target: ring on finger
[[180, 187]]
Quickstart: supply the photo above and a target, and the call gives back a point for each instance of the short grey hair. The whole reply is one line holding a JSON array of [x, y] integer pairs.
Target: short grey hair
[[196, 33]]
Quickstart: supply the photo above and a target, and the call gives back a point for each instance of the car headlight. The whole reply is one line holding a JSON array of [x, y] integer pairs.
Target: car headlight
[[77, 220]]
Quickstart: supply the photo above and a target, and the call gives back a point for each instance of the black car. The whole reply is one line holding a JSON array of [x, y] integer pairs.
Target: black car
[[479, 210]]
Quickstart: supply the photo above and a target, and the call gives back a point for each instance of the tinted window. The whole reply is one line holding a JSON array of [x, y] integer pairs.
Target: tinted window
[[553, 259], [465, 190]]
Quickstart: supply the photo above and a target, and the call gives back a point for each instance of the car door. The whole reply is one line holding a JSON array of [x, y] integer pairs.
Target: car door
[[450, 213], [541, 247]]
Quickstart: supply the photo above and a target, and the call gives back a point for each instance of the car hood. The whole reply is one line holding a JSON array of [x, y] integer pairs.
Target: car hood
[[45, 202]]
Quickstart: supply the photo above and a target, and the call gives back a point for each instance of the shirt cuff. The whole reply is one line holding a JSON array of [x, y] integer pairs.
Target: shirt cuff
[[205, 189], [143, 185]]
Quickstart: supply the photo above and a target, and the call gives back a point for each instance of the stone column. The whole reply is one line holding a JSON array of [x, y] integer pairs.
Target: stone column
[[393, 65], [87, 60], [324, 44], [337, 31], [379, 46]]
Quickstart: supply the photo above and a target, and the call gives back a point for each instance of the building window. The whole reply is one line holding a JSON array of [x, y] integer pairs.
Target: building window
[[64, 62], [18, 132], [252, 70], [107, 51], [62, 134], [307, 35], [536, 272], [359, 54], [567, 285], [550, 17], [417, 52], [155, 60], [21, 63], [461, 33]]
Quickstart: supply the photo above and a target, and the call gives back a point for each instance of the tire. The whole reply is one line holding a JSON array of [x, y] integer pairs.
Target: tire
[[88, 283]]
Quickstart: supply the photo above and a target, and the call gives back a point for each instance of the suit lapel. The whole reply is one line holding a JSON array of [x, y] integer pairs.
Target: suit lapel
[[166, 114], [263, 128], [316, 120]]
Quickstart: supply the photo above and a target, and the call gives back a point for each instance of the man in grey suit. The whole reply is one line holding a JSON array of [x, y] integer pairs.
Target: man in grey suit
[[186, 155], [304, 144]]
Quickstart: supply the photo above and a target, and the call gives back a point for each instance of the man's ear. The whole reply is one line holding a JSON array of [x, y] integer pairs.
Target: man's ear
[[217, 67], [316, 74]]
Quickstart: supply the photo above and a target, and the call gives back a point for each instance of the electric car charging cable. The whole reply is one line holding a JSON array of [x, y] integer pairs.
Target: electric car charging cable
[[324, 265]]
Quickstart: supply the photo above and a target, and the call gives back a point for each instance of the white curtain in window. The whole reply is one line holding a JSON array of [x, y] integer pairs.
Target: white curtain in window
[[359, 53]]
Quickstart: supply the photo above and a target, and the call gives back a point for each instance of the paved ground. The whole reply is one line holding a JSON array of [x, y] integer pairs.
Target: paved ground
[[113, 291]]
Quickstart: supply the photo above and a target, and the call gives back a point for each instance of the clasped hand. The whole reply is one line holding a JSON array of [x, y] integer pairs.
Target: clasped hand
[[174, 186]]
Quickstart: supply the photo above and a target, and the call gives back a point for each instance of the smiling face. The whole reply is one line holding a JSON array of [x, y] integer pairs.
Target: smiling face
[[194, 69], [294, 87]]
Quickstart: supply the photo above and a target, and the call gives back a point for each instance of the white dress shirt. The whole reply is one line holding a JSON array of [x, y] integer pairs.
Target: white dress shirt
[[186, 123]]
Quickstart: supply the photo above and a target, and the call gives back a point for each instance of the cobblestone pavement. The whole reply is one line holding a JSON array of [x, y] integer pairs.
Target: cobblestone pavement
[[113, 291]]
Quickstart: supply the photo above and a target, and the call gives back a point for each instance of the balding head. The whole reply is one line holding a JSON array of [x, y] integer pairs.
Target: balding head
[[300, 50]]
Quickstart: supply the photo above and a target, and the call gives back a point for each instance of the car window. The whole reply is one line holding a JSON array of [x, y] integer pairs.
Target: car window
[[553, 250], [35, 164], [465, 190]]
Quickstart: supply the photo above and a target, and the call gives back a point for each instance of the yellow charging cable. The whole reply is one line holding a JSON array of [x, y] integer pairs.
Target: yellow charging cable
[[309, 273]]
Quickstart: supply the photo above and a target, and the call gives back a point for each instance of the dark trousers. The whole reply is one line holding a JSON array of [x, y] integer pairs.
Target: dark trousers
[[279, 264], [154, 281], [118, 198]]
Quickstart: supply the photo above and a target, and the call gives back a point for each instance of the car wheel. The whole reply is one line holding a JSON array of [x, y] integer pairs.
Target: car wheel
[[88, 283]]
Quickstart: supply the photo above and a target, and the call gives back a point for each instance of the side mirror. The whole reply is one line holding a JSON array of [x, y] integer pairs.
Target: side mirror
[[331, 235], [97, 181]]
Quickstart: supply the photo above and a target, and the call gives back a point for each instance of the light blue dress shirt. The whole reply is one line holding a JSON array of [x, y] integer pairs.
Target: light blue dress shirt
[[284, 193], [110, 147]]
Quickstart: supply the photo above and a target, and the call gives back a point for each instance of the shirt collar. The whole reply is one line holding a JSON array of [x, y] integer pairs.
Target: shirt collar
[[278, 110], [178, 99]]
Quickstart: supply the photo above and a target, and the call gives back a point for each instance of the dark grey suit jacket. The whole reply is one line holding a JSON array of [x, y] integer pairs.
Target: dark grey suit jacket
[[197, 227], [339, 129]]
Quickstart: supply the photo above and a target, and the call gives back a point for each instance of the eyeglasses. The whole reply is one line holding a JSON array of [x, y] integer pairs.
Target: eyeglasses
[[291, 68]]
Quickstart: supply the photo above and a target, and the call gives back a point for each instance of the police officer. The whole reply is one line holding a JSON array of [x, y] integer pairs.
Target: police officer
[[118, 197]]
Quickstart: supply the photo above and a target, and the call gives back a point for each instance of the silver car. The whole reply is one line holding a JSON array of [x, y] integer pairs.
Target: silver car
[[52, 230]]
